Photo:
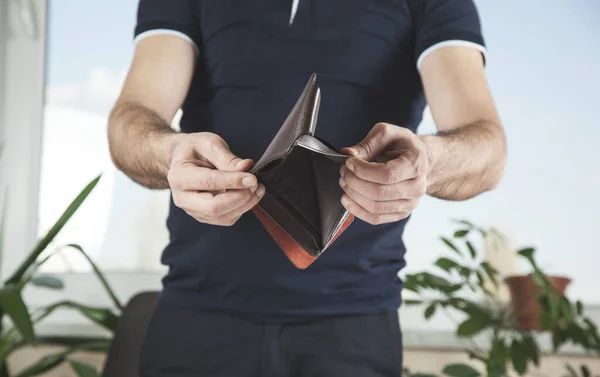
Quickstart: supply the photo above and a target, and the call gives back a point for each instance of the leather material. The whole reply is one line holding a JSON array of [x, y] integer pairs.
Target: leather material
[[301, 208]]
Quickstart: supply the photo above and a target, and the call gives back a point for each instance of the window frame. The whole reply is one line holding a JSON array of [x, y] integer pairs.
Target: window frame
[[22, 105]]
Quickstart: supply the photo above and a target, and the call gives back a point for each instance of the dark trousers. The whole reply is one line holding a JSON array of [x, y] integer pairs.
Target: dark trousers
[[186, 343]]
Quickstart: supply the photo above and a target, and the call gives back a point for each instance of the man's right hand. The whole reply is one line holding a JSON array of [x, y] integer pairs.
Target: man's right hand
[[209, 182]]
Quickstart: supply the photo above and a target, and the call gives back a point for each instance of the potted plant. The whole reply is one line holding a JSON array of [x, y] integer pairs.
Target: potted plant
[[523, 292], [23, 320], [459, 285]]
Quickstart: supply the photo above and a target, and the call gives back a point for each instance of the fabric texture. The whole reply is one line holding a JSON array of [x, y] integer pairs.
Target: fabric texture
[[252, 65], [188, 343], [439, 21]]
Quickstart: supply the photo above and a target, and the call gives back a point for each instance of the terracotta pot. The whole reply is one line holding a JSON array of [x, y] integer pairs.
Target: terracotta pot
[[525, 307]]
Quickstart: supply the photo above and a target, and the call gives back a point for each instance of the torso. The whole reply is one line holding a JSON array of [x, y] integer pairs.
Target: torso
[[252, 66]]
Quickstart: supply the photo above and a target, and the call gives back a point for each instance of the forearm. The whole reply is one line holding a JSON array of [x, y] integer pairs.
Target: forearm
[[465, 162], [141, 144]]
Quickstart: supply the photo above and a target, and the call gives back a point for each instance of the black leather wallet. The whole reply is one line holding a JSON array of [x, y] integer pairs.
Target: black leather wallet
[[301, 207]]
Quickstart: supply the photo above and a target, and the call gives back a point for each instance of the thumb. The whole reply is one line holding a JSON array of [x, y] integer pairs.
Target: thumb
[[374, 144], [217, 152]]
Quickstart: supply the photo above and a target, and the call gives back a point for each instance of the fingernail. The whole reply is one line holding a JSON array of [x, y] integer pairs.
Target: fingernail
[[249, 181], [350, 166], [261, 191], [253, 189], [342, 182], [241, 164], [344, 201]]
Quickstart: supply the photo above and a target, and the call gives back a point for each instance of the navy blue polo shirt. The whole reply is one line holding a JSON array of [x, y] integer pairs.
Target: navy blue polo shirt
[[254, 58]]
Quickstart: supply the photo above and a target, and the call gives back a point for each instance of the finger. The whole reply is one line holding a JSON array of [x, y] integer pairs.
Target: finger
[[190, 177], [210, 205], [213, 148], [410, 189], [374, 219], [239, 211], [407, 166], [376, 141], [212, 221], [378, 207]]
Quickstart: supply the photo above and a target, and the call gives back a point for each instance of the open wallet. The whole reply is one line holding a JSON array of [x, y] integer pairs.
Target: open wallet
[[301, 208]]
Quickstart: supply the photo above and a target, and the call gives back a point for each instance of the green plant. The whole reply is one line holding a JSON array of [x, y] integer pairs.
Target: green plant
[[24, 320], [583, 369], [459, 287]]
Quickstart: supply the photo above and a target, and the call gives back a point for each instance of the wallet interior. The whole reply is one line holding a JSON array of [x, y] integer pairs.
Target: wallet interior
[[303, 195]]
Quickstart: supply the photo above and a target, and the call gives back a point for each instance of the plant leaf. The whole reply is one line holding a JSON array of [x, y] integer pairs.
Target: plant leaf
[[83, 370], [496, 370], [491, 272], [480, 280], [412, 302], [96, 346], [472, 250], [13, 305], [585, 371], [579, 307], [497, 358], [100, 277], [451, 245], [464, 222], [460, 370], [439, 283], [446, 264], [461, 233], [518, 356], [531, 348], [527, 253], [47, 281], [472, 326], [56, 228], [101, 316], [475, 356], [476, 311], [566, 309], [559, 337], [44, 364], [465, 272], [430, 310], [572, 372], [545, 321], [411, 283], [50, 362]]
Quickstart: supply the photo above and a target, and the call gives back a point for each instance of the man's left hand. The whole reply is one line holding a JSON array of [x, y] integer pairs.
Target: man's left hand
[[386, 175]]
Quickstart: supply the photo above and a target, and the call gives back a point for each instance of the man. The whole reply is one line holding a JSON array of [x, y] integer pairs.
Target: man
[[233, 304]]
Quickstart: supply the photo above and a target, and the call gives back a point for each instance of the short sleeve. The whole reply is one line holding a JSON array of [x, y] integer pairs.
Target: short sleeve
[[441, 23], [176, 17]]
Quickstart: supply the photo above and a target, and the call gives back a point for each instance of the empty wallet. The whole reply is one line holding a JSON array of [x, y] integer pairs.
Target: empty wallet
[[301, 208]]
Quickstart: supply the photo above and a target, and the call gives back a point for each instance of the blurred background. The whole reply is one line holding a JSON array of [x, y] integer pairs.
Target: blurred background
[[63, 64]]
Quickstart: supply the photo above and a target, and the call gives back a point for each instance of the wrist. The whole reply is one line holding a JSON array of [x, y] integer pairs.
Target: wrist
[[165, 141], [432, 147]]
